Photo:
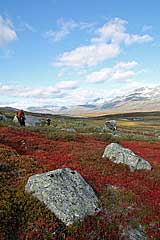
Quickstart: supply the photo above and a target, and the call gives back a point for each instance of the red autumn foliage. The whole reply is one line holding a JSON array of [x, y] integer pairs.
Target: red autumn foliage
[[85, 156]]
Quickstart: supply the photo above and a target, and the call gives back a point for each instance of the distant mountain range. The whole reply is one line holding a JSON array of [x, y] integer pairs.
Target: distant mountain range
[[140, 100]]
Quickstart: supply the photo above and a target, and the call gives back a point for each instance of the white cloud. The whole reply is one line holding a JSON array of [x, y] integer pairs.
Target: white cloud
[[119, 75], [21, 91], [7, 32], [67, 85], [80, 96], [44, 92], [107, 44], [126, 65], [121, 71], [87, 25], [114, 31], [88, 55], [25, 96], [130, 39], [99, 76], [65, 28]]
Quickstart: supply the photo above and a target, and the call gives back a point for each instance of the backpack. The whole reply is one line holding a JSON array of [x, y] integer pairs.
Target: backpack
[[19, 114]]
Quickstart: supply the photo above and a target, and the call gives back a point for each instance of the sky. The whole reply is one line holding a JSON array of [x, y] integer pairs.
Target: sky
[[67, 52]]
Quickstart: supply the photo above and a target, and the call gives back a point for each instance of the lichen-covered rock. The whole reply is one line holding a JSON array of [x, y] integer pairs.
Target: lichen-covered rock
[[118, 154], [65, 193]]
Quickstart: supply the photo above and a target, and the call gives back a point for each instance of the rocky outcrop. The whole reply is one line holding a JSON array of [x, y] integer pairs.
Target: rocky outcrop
[[118, 154], [65, 193]]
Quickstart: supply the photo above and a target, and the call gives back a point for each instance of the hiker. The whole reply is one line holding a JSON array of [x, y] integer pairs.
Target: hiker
[[48, 121], [21, 118]]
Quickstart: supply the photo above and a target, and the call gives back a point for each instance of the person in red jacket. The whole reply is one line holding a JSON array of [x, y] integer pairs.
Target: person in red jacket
[[21, 118]]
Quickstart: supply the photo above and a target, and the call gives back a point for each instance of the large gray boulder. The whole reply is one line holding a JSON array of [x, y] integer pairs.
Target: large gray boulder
[[118, 154], [65, 193], [32, 120]]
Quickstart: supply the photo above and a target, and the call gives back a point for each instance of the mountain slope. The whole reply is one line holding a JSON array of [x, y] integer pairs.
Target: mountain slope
[[140, 100]]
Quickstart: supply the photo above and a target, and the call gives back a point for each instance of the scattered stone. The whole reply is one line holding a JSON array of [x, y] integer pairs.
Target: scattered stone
[[130, 233], [65, 193], [112, 125], [118, 154], [71, 130]]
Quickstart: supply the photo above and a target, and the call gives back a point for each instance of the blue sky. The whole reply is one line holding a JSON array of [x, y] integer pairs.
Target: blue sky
[[58, 52]]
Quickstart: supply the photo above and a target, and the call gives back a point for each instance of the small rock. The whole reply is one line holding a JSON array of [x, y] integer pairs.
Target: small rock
[[71, 130]]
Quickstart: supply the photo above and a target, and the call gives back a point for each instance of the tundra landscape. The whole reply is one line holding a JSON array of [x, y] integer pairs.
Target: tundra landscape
[[79, 120], [128, 200]]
